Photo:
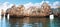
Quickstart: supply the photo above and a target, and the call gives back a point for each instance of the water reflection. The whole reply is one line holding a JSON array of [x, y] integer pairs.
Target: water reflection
[[51, 23], [29, 22]]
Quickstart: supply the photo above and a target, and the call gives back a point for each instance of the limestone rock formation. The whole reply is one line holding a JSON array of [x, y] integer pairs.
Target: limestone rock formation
[[15, 11], [56, 11], [44, 10], [2, 12], [58, 14]]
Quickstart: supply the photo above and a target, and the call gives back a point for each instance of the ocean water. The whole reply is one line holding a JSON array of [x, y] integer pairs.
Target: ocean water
[[29, 22]]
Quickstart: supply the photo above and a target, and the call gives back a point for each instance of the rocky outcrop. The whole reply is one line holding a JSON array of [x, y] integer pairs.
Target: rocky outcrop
[[15, 11], [2, 12], [44, 10], [56, 11]]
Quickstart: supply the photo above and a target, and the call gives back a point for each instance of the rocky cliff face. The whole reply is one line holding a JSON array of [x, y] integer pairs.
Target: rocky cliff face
[[44, 10], [15, 11], [2, 12], [56, 11]]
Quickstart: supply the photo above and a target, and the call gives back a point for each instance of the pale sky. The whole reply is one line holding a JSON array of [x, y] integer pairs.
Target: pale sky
[[4, 4]]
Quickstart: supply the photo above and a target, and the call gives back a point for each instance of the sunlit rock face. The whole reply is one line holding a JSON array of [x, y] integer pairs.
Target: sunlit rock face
[[43, 10], [2, 12], [15, 11], [31, 11]]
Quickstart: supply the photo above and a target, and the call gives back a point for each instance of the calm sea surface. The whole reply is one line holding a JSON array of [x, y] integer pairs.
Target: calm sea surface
[[29, 22]]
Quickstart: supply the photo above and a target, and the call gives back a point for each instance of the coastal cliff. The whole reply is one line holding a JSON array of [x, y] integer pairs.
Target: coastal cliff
[[15, 11], [43, 10]]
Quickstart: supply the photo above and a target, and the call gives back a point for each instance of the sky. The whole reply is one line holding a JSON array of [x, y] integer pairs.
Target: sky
[[4, 4], [25, 1]]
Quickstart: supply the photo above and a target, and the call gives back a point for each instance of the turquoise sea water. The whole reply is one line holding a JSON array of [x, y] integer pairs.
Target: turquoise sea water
[[29, 22]]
